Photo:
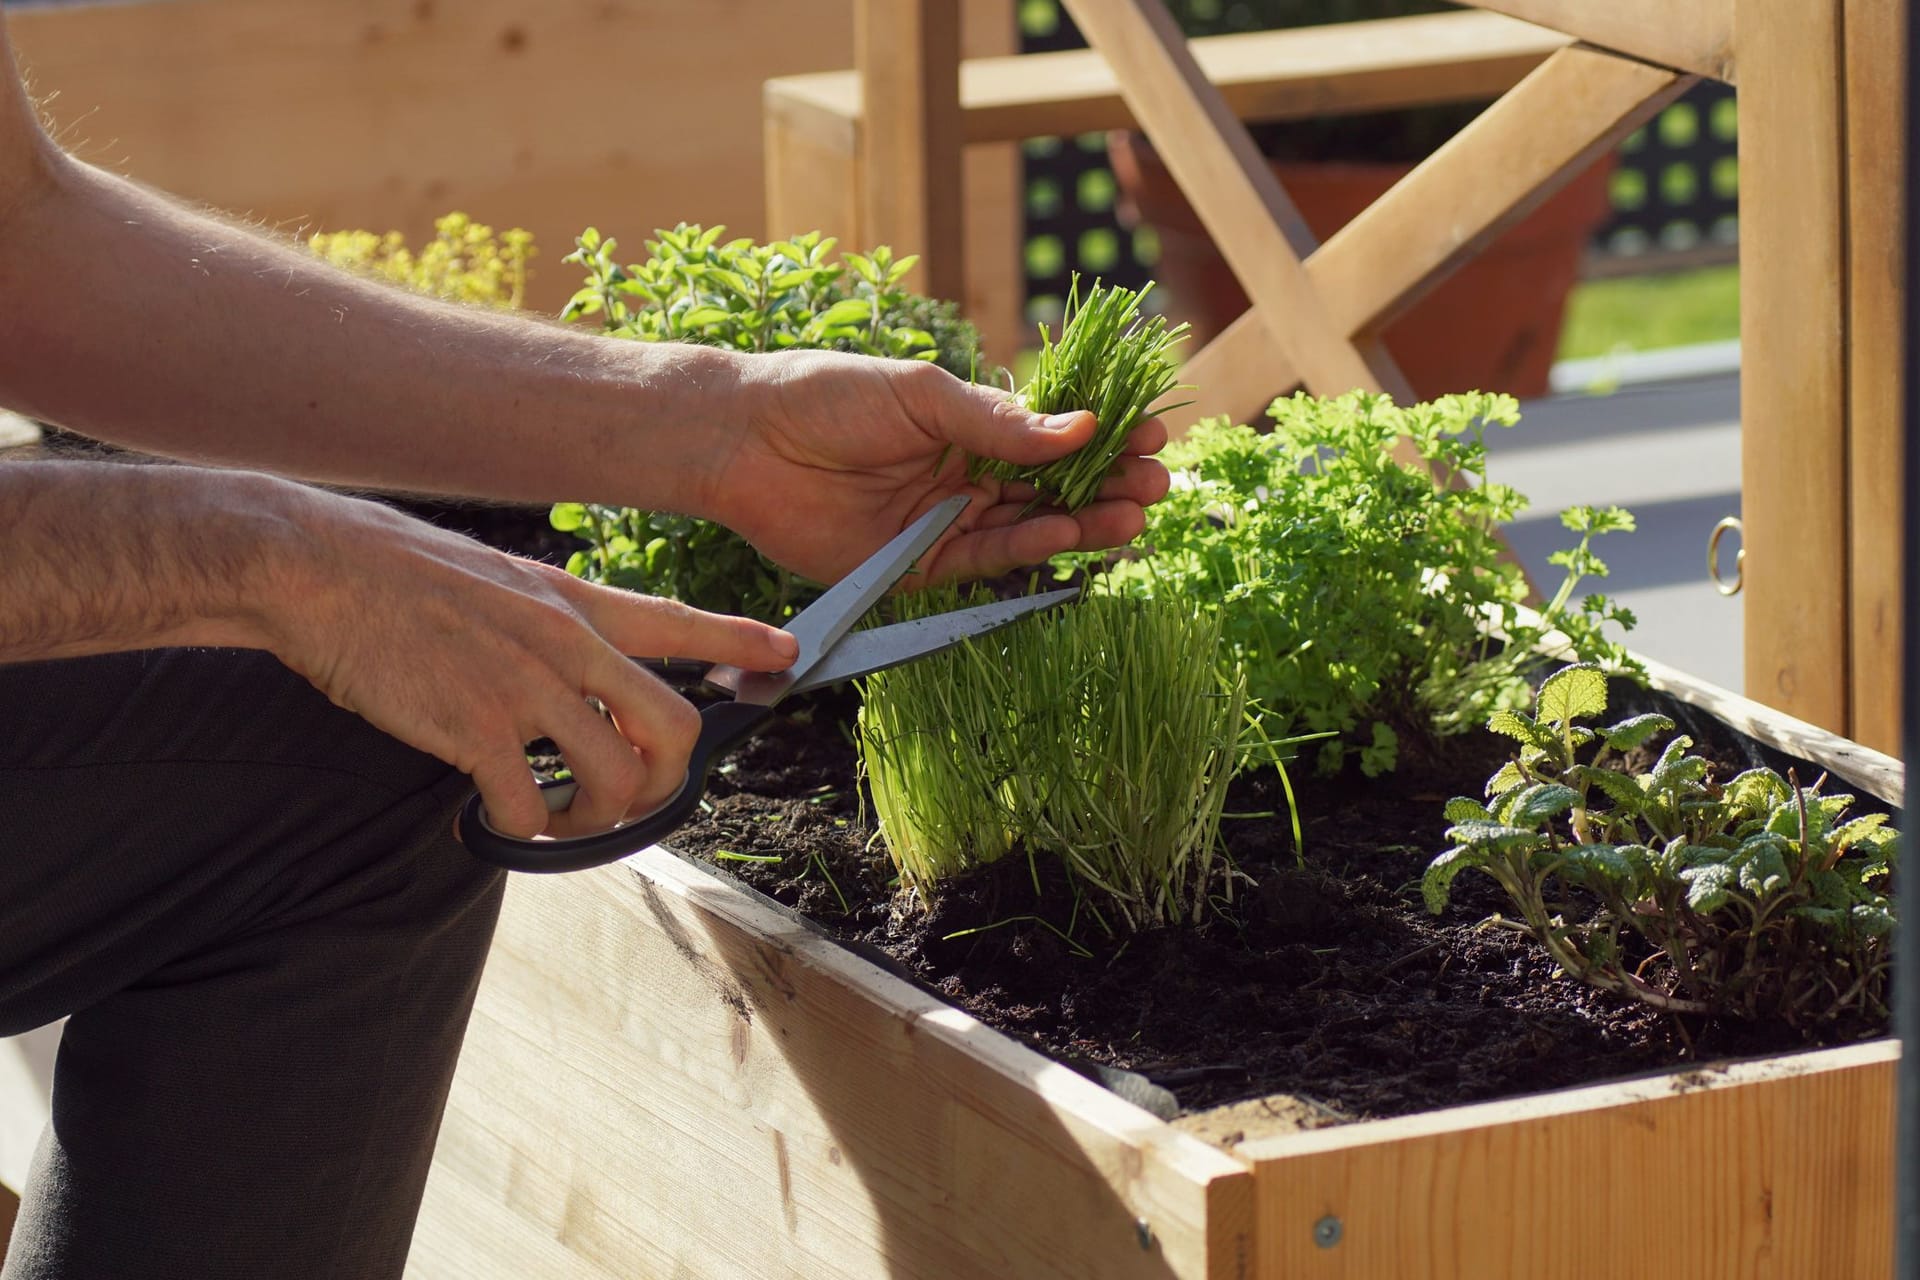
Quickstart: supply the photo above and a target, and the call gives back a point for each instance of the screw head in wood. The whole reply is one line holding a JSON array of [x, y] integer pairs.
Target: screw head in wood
[[1327, 1232]]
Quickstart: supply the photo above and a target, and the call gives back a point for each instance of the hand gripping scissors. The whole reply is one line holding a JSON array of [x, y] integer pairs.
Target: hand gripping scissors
[[830, 651]]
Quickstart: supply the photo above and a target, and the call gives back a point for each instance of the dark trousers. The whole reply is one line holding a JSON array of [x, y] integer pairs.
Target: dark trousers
[[251, 906]]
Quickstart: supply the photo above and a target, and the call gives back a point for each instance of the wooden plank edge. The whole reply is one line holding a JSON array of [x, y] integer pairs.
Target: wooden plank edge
[[1869, 1055], [1873, 771], [1218, 1185], [1014, 97], [1065, 1089], [1696, 36]]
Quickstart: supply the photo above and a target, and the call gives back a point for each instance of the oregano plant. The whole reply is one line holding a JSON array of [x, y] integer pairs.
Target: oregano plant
[[1642, 874], [695, 286]]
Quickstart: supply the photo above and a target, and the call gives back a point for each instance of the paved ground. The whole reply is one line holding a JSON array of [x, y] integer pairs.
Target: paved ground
[[1670, 453]]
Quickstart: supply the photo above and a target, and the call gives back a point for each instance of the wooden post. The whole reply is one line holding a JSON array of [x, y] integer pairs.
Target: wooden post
[[908, 52], [1793, 334], [1875, 109]]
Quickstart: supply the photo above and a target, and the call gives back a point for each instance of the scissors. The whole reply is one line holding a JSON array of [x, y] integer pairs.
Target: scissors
[[830, 651]]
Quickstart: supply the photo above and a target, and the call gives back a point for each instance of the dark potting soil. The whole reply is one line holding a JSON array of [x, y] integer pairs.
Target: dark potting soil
[[1326, 978]]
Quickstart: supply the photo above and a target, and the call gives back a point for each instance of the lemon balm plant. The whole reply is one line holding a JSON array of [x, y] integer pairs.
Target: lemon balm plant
[[1099, 736], [1642, 874]]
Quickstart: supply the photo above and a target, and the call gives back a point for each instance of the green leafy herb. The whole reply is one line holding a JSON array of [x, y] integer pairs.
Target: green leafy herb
[[1356, 590], [1753, 897], [1102, 735], [788, 294], [1109, 360]]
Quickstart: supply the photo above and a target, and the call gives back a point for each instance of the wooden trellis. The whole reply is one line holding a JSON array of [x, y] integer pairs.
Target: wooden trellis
[[1820, 180]]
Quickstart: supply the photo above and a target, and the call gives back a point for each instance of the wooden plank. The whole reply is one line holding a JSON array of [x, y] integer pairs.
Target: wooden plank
[[995, 206], [9, 1214], [1876, 158], [1695, 36], [697, 1085], [908, 56], [814, 180], [812, 184], [1793, 340], [1781, 1167], [1574, 108], [1264, 75], [1209, 153], [387, 113]]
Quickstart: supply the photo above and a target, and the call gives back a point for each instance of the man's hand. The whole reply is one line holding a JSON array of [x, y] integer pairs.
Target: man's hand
[[470, 654], [454, 648], [840, 452]]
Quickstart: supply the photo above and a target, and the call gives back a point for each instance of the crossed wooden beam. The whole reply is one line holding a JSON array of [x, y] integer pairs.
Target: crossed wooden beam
[[1316, 310]]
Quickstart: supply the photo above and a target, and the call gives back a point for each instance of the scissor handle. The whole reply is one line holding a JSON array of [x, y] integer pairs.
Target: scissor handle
[[723, 725]]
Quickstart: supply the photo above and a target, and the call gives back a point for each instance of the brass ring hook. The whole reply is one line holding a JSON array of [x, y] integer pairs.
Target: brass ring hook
[[1739, 557]]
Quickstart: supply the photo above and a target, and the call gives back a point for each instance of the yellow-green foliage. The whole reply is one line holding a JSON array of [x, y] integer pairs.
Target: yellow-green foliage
[[464, 262]]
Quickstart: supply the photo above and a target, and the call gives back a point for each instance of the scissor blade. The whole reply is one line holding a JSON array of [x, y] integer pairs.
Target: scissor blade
[[821, 624], [862, 653]]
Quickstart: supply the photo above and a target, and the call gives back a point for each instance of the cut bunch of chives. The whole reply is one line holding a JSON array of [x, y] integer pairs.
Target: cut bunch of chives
[[1110, 360], [1102, 735]]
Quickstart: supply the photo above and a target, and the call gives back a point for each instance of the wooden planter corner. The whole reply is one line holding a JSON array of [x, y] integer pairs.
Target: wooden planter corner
[[668, 1077]]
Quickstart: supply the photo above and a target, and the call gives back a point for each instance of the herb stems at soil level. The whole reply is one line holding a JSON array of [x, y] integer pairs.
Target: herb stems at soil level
[[1110, 360], [1102, 734]]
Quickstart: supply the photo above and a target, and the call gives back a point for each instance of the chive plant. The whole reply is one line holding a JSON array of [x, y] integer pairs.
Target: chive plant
[[1101, 735], [1109, 359]]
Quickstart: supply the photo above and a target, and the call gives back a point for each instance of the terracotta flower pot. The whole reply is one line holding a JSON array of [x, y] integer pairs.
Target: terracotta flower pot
[[1493, 325]]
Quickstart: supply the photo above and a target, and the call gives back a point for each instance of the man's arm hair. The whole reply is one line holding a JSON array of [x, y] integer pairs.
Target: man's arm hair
[[98, 557], [26, 152], [130, 317]]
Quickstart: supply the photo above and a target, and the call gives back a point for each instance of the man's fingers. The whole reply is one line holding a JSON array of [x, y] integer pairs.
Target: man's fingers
[[1149, 437], [511, 796], [986, 551], [1108, 523], [649, 627], [988, 422], [1142, 481], [610, 773]]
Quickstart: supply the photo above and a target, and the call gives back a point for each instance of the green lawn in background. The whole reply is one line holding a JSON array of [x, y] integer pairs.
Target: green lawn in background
[[1643, 313]]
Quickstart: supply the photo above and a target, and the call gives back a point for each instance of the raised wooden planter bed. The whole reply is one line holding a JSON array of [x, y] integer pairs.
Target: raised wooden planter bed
[[666, 1076]]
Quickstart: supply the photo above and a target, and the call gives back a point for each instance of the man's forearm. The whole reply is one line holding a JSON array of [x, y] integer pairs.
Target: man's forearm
[[97, 558], [132, 319]]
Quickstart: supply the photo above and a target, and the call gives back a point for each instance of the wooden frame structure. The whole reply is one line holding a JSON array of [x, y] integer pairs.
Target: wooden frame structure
[[699, 1084], [1820, 176]]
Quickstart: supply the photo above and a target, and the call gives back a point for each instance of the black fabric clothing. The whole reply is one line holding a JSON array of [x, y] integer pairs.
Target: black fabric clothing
[[251, 905]]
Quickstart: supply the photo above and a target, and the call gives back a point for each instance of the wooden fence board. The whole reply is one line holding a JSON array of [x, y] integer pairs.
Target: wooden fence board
[[1793, 369], [1876, 181]]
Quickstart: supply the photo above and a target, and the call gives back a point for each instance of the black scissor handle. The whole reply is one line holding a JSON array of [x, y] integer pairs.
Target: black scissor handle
[[723, 725]]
